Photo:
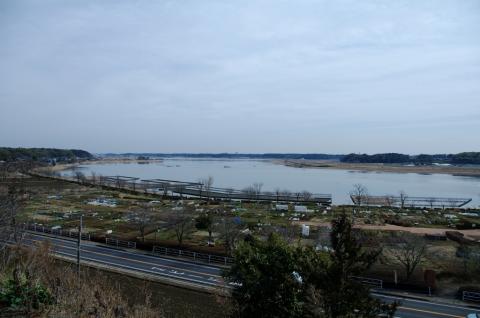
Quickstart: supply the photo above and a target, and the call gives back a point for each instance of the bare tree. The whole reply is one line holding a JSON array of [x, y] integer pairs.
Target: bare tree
[[80, 176], [403, 198], [93, 177], [119, 182], [101, 179], [142, 220], [359, 194], [278, 192], [166, 187], [306, 195], [257, 187], [206, 184], [229, 232], [389, 200], [409, 251], [181, 223], [250, 192]]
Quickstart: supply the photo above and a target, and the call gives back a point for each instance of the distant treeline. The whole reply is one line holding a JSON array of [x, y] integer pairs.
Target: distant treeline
[[460, 158], [309, 156], [423, 159], [43, 154]]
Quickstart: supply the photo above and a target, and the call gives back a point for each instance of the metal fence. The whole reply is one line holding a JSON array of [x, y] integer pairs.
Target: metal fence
[[196, 257], [119, 243], [471, 296], [59, 232], [378, 283]]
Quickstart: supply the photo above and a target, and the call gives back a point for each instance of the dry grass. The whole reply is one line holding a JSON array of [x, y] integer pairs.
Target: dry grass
[[74, 295]]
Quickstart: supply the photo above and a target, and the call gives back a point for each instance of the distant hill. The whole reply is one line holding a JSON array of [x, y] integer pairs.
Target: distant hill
[[43, 154]]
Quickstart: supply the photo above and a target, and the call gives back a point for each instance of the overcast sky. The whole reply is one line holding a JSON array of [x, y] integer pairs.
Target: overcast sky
[[246, 76]]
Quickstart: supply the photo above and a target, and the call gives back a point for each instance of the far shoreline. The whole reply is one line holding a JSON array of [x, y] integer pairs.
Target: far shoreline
[[466, 171]]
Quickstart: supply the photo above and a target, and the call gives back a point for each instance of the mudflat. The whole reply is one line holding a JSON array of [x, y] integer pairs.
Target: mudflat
[[467, 170]]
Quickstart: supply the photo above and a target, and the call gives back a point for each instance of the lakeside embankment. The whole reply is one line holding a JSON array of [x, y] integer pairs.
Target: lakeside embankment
[[472, 171]]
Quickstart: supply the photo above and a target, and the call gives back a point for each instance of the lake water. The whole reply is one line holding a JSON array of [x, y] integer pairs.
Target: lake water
[[239, 174]]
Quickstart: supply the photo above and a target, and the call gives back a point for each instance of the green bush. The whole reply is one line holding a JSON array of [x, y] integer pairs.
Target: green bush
[[17, 296]]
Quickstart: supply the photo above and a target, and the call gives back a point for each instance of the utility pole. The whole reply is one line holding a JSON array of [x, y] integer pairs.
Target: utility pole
[[79, 243]]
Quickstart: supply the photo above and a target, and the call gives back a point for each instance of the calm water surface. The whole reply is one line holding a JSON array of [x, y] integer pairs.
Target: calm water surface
[[239, 174]]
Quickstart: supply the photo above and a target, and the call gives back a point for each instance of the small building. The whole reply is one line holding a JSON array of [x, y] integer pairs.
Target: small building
[[281, 207], [300, 208]]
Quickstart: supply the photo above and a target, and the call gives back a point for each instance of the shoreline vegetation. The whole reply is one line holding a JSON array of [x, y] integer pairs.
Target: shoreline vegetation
[[471, 171]]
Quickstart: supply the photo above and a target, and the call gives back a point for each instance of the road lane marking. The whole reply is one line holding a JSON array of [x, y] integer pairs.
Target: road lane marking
[[134, 260], [205, 282], [429, 312], [91, 245]]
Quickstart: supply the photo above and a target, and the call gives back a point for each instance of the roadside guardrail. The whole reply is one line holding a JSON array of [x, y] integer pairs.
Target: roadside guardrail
[[378, 283], [471, 296], [59, 232], [120, 243], [195, 256]]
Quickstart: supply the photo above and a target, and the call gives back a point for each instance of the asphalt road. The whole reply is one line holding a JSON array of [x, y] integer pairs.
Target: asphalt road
[[411, 308], [122, 259], [203, 275]]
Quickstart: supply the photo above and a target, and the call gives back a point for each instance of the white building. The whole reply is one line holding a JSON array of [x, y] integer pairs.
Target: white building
[[281, 207], [300, 208]]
